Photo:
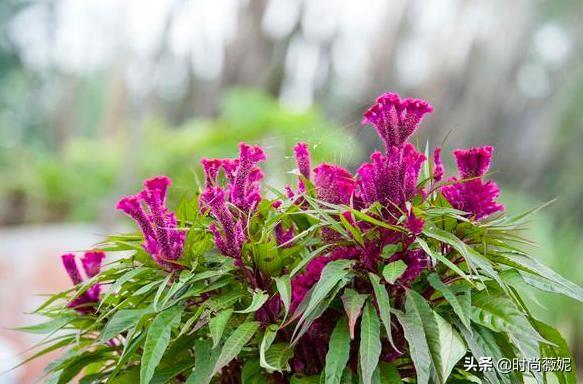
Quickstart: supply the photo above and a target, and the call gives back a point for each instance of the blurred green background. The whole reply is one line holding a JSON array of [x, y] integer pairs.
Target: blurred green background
[[96, 95]]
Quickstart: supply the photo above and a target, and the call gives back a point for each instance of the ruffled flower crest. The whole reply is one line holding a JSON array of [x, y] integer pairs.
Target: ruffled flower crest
[[162, 237], [394, 119], [334, 184], [474, 196]]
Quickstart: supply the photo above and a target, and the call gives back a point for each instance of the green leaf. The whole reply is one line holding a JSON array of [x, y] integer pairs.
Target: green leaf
[[394, 270], [450, 350], [266, 257], [252, 374], [49, 326], [122, 321], [558, 349], [283, 284], [353, 302], [217, 325], [332, 273], [278, 356], [204, 362], [318, 311], [389, 374], [461, 304], [235, 343], [268, 338], [259, 298], [370, 343], [157, 341], [542, 277], [338, 352], [384, 305], [389, 250], [415, 335], [443, 343], [439, 257]]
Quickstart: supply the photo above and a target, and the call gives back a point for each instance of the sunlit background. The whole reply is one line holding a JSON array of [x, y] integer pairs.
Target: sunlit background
[[97, 94]]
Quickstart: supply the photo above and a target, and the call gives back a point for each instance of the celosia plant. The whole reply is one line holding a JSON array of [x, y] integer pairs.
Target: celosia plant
[[389, 275]]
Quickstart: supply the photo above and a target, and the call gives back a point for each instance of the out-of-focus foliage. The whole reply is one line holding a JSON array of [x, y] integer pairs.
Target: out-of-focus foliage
[[39, 186], [560, 246]]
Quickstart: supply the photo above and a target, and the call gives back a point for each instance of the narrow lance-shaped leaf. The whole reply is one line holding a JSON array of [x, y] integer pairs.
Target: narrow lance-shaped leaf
[[235, 343], [370, 343], [122, 321], [353, 302], [204, 362], [444, 343], [157, 341], [332, 273], [338, 353], [415, 336], [461, 305], [384, 305], [283, 284], [217, 325], [268, 338]]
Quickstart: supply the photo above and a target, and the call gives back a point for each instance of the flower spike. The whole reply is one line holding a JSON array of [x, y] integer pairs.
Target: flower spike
[[394, 119], [162, 237]]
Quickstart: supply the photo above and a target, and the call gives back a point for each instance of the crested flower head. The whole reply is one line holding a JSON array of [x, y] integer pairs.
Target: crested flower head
[[474, 196], [473, 162], [245, 188], [243, 176], [91, 262], [162, 238], [391, 179], [334, 184], [394, 119]]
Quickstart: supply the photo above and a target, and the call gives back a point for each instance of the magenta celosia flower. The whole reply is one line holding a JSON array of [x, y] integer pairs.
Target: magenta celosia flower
[[211, 169], [438, 165], [231, 236], [474, 196], [91, 262], [245, 191], [162, 237], [391, 179], [473, 162], [334, 184], [394, 119], [242, 174], [414, 224], [304, 163]]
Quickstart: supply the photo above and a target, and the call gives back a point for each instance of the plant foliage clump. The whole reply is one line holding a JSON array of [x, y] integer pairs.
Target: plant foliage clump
[[393, 274]]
